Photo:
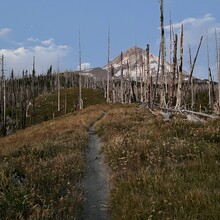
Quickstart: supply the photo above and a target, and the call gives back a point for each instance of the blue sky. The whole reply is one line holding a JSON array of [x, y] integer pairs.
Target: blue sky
[[48, 29]]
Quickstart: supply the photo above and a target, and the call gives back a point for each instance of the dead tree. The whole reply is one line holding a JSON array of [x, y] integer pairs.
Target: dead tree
[[192, 66], [58, 87], [218, 65], [157, 76], [148, 98], [113, 84], [33, 90], [211, 98], [131, 97], [162, 92], [122, 80], [23, 100], [191, 80], [141, 70], [136, 68], [108, 70], [179, 88], [80, 79], [174, 69], [4, 131]]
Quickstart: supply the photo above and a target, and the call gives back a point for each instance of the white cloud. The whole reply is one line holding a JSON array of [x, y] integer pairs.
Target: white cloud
[[48, 42], [5, 32], [32, 39], [194, 28], [84, 66], [45, 55]]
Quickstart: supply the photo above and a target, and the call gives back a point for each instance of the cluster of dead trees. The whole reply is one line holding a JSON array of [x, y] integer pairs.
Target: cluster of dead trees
[[18, 94], [166, 88]]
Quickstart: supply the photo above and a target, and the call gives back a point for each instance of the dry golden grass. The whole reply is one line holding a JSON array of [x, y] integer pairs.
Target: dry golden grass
[[161, 170], [158, 170], [41, 168]]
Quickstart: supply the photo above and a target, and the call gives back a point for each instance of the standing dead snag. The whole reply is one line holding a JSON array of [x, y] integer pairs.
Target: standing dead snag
[[80, 79], [33, 90], [122, 80], [218, 65], [108, 71], [179, 88], [157, 76], [58, 87], [191, 80], [162, 92], [148, 93], [174, 68], [4, 131], [192, 66], [211, 98]]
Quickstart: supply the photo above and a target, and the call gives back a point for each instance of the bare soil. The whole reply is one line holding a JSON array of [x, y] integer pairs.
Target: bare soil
[[96, 181]]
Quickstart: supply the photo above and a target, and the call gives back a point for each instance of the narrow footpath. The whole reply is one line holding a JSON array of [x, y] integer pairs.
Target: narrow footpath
[[96, 182]]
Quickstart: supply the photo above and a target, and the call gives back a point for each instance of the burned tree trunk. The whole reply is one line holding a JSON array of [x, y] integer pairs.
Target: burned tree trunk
[[162, 92]]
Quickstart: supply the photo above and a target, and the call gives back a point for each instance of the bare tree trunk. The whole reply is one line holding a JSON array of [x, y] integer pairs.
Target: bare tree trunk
[[130, 82], [122, 80], [108, 71], [157, 76], [191, 80], [179, 88], [171, 60], [136, 68], [192, 69], [4, 97], [148, 73], [58, 87], [162, 94], [113, 85], [33, 91], [218, 65], [209, 74], [141, 68], [80, 79], [174, 72]]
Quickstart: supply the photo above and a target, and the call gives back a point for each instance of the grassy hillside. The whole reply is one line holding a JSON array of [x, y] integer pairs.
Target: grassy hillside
[[46, 105], [161, 170], [158, 170], [41, 168]]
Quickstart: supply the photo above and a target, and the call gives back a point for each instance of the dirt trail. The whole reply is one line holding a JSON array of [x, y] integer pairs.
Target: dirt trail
[[95, 182]]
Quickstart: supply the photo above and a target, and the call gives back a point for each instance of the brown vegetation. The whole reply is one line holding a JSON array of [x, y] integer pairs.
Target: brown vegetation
[[161, 170]]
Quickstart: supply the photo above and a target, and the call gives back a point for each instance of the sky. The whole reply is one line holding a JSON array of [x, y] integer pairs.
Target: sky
[[49, 31]]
